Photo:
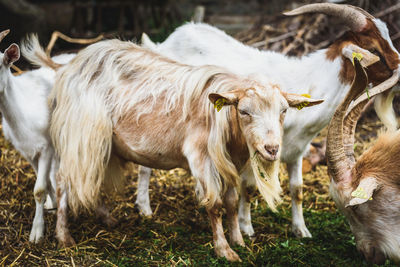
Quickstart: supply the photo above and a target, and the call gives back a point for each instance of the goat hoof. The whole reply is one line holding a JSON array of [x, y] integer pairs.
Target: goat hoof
[[110, 221], [144, 210], [50, 204], [237, 240], [229, 254], [246, 228], [301, 231], [66, 242], [36, 234]]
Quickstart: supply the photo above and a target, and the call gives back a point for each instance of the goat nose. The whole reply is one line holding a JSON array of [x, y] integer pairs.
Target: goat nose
[[272, 149]]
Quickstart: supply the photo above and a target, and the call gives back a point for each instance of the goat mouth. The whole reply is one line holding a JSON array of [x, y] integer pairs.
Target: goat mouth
[[266, 157]]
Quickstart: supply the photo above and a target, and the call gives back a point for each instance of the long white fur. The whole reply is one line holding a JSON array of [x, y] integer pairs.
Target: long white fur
[[199, 44], [112, 89], [25, 119]]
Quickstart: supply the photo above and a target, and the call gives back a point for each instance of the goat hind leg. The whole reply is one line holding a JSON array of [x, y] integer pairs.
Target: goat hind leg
[[142, 198], [105, 216], [62, 232]]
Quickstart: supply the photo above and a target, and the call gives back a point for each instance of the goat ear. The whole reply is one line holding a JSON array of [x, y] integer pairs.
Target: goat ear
[[223, 99], [365, 57], [364, 191], [301, 101], [11, 54]]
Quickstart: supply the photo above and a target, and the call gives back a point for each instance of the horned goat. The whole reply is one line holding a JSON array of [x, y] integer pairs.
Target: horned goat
[[367, 191], [131, 104], [325, 74]]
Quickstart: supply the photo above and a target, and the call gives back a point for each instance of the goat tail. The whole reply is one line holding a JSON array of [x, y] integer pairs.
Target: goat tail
[[383, 105], [266, 175], [81, 130], [146, 42], [34, 53]]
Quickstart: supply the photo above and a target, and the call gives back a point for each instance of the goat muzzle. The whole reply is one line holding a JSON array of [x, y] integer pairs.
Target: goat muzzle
[[374, 255]]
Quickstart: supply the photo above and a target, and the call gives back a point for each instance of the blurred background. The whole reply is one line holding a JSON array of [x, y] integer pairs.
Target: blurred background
[[256, 22]]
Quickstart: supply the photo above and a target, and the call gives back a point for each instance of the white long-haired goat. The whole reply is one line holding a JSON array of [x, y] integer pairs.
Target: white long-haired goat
[[25, 119], [325, 74], [131, 104]]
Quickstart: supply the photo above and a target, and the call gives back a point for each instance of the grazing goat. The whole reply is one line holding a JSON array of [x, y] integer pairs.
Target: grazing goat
[[25, 119], [131, 104], [325, 74], [367, 191]]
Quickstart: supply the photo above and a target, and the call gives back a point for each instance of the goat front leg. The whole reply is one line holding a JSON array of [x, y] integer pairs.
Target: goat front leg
[[201, 167], [246, 190], [142, 198], [221, 246], [231, 206], [62, 232], [296, 192], [40, 193]]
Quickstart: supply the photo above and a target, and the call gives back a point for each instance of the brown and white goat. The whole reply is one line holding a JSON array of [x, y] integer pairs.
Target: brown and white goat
[[125, 103], [326, 74], [367, 191]]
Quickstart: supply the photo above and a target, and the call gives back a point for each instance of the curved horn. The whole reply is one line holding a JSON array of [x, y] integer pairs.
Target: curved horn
[[380, 88], [353, 17], [3, 34], [339, 164]]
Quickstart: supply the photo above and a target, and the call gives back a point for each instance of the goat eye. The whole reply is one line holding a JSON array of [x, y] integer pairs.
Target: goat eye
[[375, 52], [244, 112], [283, 111]]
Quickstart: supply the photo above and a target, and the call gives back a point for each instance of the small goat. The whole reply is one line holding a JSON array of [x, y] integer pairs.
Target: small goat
[[25, 119], [131, 104], [367, 191], [325, 74]]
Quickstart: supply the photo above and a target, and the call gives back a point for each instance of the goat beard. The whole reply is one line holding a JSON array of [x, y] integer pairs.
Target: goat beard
[[266, 175]]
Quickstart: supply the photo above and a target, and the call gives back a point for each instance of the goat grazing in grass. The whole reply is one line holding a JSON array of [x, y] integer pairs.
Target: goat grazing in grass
[[25, 119], [325, 74], [131, 104], [366, 190]]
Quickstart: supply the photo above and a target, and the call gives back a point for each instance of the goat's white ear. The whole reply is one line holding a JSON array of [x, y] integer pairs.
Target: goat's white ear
[[147, 42], [364, 191], [11, 54], [365, 57], [301, 101]]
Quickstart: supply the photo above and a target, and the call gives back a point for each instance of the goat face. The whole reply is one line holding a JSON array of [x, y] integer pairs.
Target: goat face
[[374, 40], [373, 217], [368, 36], [260, 112]]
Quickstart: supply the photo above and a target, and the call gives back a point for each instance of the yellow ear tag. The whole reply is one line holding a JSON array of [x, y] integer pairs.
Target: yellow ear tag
[[359, 56], [219, 104], [360, 193], [304, 104]]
